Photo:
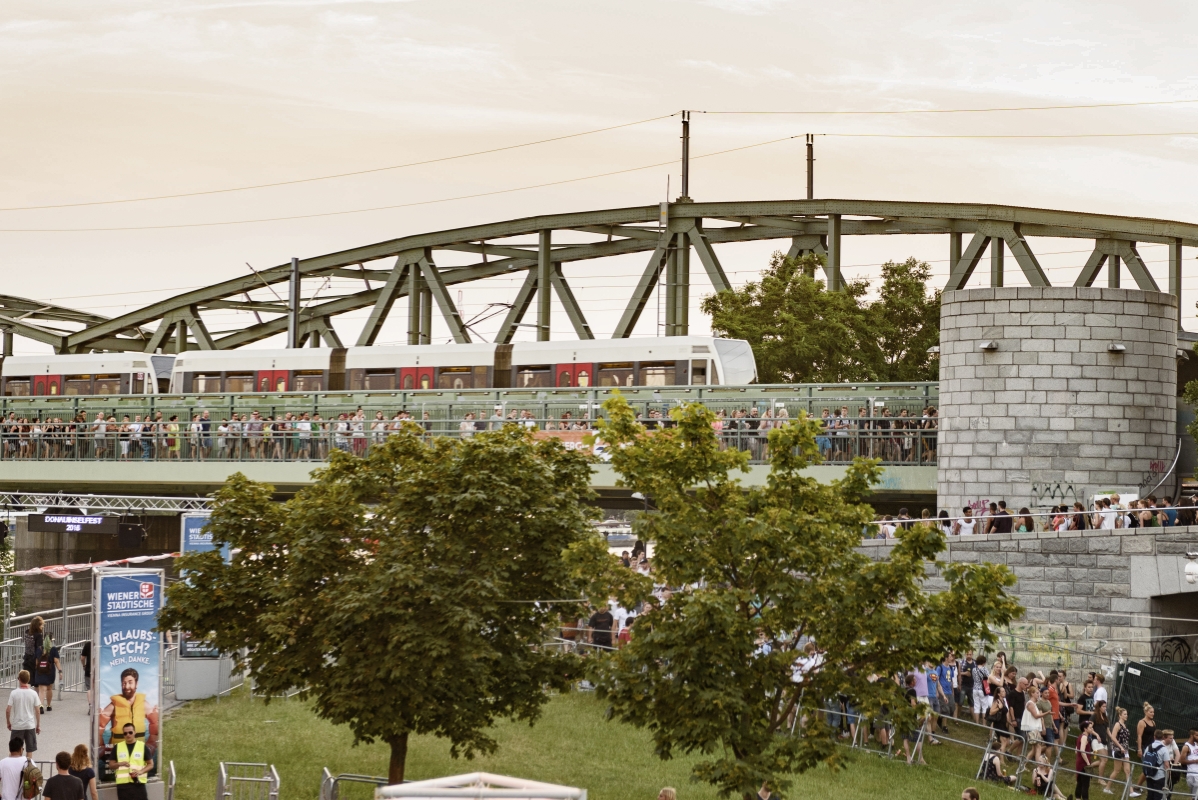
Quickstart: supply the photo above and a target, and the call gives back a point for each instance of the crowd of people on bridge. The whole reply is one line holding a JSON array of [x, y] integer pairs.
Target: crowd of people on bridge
[[895, 437]]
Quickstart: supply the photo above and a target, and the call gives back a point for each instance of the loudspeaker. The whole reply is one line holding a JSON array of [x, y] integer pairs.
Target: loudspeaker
[[130, 536]]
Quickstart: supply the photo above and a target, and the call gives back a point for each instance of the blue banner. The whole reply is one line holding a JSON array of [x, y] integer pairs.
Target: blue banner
[[128, 656], [196, 539]]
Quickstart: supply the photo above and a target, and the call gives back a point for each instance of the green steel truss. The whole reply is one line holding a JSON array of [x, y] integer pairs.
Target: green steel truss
[[538, 247]]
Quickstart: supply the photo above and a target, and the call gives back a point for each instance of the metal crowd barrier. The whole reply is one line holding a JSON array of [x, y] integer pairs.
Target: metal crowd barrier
[[79, 624], [245, 781], [330, 784], [171, 780], [82, 441]]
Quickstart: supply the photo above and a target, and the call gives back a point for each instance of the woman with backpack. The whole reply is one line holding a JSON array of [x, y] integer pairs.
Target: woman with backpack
[[32, 641], [46, 671]]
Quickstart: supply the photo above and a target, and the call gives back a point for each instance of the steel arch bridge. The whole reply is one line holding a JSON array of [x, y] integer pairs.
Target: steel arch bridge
[[669, 233]]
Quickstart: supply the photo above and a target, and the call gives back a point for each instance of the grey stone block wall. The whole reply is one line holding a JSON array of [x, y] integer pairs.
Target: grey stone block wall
[[1052, 415], [1091, 597]]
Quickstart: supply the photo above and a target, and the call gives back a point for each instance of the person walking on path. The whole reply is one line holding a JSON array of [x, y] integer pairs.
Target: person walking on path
[[81, 768], [11, 769], [23, 715], [130, 762], [46, 671], [64, 785]]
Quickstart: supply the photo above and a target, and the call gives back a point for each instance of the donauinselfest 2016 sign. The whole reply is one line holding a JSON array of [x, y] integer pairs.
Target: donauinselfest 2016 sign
[[128, 655]]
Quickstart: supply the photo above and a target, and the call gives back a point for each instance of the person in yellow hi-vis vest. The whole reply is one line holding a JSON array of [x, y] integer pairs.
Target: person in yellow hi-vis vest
[[130, 706], [131, 763]]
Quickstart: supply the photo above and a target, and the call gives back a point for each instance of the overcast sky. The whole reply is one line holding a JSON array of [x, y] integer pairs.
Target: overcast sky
[[106, 100]]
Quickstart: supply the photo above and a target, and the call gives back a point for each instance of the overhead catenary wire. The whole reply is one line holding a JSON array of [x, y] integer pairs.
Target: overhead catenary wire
[[957, 110], [334, 176], [564, 181], [396, 205]]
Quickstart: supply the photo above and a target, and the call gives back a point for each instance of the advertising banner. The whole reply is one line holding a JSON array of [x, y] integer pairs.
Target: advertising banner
[[127, 678], [197, 540]]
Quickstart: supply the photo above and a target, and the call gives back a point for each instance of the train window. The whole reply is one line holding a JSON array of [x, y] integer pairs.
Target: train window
[[239, 382], [618, 374], [16, 388], [309, 381], [584, 378], [534, 376], [480, 377], [715, 374], [139, 382], [409, 382], [698, 373], [563, 380], [380, 380], [108, 384], [77, 384], [206, 384], [454, 378], [657, 373]]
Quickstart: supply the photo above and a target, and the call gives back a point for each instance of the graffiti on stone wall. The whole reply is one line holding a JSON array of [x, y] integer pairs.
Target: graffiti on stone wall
[[1175, 649], [1055, 492], [1155, 474]]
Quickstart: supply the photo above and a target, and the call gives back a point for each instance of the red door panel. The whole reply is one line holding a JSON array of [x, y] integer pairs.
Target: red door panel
[[272, 380], [44, 385], [416, 378], [574, 375]]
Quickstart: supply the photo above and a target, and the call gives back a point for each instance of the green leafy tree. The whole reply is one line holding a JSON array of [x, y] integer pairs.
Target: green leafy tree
[[774, 565], [802, 333], [398, 591]]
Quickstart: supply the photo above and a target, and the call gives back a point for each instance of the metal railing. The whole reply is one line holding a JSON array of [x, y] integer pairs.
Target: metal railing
[[170, 665], [78, 626], [330, 784], [171, 780], [813, 398], [245, 781], [291, 440]]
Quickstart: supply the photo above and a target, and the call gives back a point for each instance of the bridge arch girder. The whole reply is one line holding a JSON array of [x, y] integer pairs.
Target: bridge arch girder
[[669, 232]]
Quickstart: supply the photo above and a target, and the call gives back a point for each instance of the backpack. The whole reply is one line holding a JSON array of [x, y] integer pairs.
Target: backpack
[[30, 646], [31, 780], [45, 663], [1154, 761]]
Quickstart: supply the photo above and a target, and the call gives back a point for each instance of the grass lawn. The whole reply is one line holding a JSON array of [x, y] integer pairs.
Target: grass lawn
[[571, 744]]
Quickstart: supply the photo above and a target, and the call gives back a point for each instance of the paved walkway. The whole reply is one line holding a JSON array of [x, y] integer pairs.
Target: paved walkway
[[64, 727]]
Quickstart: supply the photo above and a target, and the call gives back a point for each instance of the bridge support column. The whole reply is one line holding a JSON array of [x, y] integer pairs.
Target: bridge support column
[[671, 298], [1175, 274], [682, 291], [7, 348], [1112, 272], [835, 283], [997, 248], [544, 277], [1052, 394]]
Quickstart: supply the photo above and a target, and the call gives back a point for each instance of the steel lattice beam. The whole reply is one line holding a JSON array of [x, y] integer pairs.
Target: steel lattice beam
[[178, 323]]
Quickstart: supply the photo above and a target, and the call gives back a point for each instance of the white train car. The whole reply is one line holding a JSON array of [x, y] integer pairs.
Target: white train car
[[258, 371], [668, 361], [662, 361], [83, 374]]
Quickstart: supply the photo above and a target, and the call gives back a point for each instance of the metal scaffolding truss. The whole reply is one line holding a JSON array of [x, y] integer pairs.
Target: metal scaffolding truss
[[541, 247], [89, 503]]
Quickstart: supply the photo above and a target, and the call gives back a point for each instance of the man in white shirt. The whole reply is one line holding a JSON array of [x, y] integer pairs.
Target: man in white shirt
[[23, 713], [1106, 515], [1099, 688], [11, 768]]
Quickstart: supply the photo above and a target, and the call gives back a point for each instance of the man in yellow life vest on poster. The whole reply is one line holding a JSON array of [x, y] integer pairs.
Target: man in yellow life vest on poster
[[131, 762], [129, 707]]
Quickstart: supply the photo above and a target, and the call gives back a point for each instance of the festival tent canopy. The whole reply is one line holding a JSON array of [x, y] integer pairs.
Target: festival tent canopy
[[481, 785]]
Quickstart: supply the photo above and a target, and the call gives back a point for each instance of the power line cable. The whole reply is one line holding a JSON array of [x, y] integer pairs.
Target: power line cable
[[340, 174], [397, 205], [955, 110]]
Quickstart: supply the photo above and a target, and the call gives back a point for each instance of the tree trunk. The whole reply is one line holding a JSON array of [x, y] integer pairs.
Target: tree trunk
[[399, 755]]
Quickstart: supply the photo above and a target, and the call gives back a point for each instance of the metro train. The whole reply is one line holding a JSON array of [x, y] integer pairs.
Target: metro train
[[664, 361]]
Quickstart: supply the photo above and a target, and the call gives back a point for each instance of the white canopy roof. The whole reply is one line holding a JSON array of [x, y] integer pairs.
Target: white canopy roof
[[482, 785]]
